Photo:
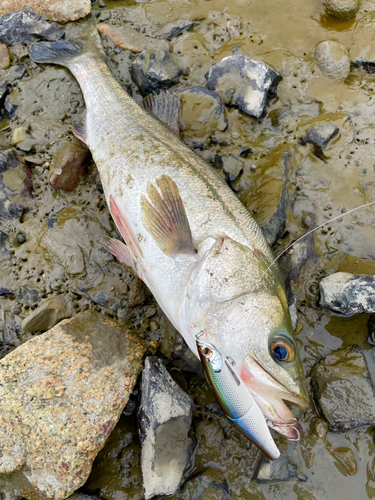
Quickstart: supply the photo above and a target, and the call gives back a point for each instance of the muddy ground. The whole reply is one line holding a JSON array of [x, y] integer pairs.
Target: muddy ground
[[61, 250]]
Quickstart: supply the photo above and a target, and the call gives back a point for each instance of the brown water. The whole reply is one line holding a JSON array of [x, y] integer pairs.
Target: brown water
[[65, 259]]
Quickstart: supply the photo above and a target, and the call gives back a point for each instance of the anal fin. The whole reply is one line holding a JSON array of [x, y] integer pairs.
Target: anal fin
[[125, 229], [165, 218], [121, 252], [165, 107]]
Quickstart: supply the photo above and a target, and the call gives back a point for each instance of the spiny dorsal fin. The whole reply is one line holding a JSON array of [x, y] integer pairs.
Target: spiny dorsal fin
[[165, 107], [165, 219]]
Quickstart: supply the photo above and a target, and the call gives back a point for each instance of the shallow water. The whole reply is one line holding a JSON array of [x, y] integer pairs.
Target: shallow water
[[65, 231]]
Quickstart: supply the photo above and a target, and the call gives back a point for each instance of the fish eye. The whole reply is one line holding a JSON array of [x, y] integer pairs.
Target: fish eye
[[282, 349]]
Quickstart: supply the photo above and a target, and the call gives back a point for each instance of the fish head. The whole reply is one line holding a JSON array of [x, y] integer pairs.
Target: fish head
[[255, 332]]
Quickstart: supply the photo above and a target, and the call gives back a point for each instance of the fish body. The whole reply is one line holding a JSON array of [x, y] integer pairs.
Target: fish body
[[188, 237]]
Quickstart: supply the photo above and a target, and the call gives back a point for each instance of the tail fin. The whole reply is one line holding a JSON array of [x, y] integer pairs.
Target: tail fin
[[61, 52]]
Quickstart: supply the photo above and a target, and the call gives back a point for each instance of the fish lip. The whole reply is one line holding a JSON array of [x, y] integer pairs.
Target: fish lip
[[295, 399]]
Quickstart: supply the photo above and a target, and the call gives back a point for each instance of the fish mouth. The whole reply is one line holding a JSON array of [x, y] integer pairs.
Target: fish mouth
[[272, 396]]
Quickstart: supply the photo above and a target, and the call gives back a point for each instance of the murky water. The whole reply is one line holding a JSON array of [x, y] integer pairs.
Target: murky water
[[65, 231]]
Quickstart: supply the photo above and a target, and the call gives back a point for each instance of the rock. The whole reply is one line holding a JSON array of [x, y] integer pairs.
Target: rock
[[164, 420], [61, 395], [61, 11], [26, 295], [342, 387], [48, 314], [210, 484], [274, 471], [171, 30], [345, 461], [347, 293], [232, 167], [244, 82], [342, 9], [371, 328], [154, 70], [101, 4], [9, 107], [4, 56], [13, 74], [202, 115], [19, 135], [15, 186], [318, 428], [319, 136], [332, 59], [24, 26], [362, 51], [69, 166], [129, 39]]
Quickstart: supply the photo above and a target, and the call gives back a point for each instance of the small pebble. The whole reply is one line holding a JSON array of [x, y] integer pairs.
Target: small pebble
[[319, 428], [342, 9], [150, 312], [101, 4], [332, 59], [154, 325], [4, 56], [19, 134], [253, 168], [21, 238]]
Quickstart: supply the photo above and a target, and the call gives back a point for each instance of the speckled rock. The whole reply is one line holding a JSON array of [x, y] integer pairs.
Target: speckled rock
[[164, 421], [61, 395], [347, 293], [15, 186], [24, 26], [275, 471], [202, 114], [61, 11], [129, 39], [342, 387], [154, 70], [244, 82], [4, 56], [48, 314], [319, 136], [342, 9], [332, 59], [69, 165]]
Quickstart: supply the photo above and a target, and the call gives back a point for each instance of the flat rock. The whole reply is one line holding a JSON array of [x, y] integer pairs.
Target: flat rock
[[61, 394], [24, 26], [342, 9], [319, 136], [130, 39], [332, 59], [164, 420], [4, 57], [13, 73], [69, 165], [15, 186], [154, 70], [347, 293], [275, 471], [171, 30], [61, 11], [48, 314], [244, 82], [202, 114], [342, 386]]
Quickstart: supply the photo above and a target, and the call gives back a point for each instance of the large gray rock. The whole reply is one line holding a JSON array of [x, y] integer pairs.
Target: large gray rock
[[244, 82], [342, 386], [154, 70], [24, 26], [347, 293], [61, 394], [164, 421]]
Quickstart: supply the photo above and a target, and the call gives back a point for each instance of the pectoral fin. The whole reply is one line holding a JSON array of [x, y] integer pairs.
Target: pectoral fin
[[165, 218]]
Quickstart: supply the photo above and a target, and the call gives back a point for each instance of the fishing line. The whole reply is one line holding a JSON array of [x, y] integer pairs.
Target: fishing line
[[313, 230]]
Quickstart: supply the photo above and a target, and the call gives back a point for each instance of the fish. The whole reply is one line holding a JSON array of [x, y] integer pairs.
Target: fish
[[188, 237]]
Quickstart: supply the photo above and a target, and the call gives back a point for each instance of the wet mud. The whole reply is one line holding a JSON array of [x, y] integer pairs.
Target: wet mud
[[56, 245]]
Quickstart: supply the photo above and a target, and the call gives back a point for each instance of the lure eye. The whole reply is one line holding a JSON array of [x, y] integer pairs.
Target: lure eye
[[282, 350], [207, 352]]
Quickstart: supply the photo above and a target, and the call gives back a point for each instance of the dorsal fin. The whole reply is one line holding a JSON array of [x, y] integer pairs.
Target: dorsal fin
[[165, 107], [165, 219]]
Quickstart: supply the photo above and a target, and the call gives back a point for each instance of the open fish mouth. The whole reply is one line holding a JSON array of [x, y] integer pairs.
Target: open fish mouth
[[272, 396]]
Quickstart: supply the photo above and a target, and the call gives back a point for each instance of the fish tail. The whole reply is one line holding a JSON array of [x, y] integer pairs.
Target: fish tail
[[62, 52]]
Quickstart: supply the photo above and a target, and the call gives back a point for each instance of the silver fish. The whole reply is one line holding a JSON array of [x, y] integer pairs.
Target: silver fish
[[188, 238]]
